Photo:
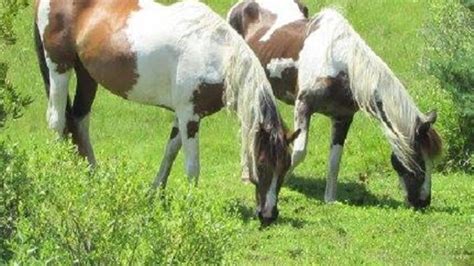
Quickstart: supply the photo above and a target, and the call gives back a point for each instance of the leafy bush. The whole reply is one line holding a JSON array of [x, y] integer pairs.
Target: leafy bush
[[450, 57], [11, 103], [78, 215], [8, 11], [14, 188]]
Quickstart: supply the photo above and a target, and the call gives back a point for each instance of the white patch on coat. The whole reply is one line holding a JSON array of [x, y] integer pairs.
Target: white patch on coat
[[149, 41], [270, 198], [331, 182], [173, 61], [286, 11], [42, 21], [278, 65]]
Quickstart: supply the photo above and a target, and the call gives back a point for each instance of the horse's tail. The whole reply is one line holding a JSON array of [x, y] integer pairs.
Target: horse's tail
[[41, 57]]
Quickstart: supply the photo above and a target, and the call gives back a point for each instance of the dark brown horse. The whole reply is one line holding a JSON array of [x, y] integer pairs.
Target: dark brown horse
[[323, 66], [182, 57]]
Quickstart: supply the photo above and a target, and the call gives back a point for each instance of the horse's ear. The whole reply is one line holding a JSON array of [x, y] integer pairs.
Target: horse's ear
[[423, 127], [291, 137], [251, 10]]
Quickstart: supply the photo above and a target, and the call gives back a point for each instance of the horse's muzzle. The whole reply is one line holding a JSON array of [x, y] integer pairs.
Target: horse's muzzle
[[419, 203], [266, 221]]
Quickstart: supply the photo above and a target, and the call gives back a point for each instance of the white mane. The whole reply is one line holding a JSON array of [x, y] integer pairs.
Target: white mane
[[371, 80]]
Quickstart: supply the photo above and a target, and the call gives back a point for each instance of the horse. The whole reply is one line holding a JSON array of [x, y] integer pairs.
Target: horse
[[327, 68], [183, 58]]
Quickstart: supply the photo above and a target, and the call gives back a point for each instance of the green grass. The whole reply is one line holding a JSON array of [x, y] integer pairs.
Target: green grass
[[369, 225]]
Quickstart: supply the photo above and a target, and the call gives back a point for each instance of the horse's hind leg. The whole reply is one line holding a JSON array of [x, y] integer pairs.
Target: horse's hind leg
[[57, 100], [340, 127], [172, 148], [78, 117]]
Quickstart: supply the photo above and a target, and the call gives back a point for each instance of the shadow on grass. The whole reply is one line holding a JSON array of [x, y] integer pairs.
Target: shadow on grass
[[351, 193], [247, 214]]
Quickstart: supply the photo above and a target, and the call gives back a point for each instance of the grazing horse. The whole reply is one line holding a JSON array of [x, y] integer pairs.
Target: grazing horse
[[337, 75], [182, 57]]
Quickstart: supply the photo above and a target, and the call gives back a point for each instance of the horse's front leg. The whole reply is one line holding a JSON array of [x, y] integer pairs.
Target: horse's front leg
[[189, 130], [302, 117], [78, 117], [172, 148], [340, 127]]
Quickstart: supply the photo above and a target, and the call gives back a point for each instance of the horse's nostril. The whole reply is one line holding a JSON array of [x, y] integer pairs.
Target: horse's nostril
[[420, 203], [266, 221]]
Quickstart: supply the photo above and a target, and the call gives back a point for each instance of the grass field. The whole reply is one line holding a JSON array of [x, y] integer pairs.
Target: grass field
[[369, 224]]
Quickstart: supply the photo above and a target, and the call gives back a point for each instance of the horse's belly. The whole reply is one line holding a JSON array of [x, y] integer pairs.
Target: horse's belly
[[153, 85]]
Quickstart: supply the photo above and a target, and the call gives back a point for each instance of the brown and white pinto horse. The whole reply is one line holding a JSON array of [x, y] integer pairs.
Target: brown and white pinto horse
[[182, 57], [323, 66]]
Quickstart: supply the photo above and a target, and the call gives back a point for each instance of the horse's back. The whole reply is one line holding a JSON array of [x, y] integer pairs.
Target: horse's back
[[139, 50]]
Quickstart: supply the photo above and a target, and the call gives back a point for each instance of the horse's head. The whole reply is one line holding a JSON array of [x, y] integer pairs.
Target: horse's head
[[249, 15], [426, 146], [272, 162]]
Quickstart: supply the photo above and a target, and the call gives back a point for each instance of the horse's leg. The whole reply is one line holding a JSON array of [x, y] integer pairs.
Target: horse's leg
[[189, 131], [58, 97], [78, 118], [172, 148], [340, 127], [302, 117]]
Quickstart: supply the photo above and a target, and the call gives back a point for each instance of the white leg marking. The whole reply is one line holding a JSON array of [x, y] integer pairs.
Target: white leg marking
[[331, 182], [300, 143], [190, 145], [270, 198], [299, 149], [58, 91]]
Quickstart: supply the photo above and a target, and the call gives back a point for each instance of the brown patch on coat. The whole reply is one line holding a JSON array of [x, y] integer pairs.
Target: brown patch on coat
[[103, 46], [331, 97], [58, 36], [208, 98], [193, 128], [432, 144], [285, 88], [285, 42], [93, 32]]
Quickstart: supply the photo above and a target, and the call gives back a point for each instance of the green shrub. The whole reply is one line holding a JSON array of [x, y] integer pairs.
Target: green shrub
[[8, 11], [11, 103], [14, 188], [107, 215], [450, 57]]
